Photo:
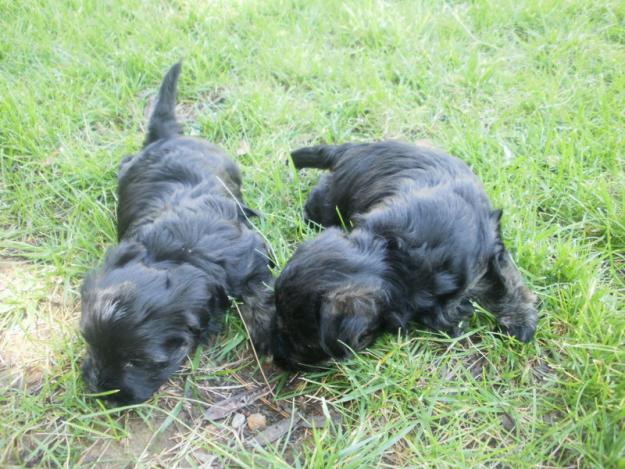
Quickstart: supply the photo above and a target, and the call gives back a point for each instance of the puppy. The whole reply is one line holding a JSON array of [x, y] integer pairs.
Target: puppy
[[185, 246], [425, 243]]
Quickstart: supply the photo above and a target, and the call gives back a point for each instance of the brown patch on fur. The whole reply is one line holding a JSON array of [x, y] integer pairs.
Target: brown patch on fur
[[354, 300]]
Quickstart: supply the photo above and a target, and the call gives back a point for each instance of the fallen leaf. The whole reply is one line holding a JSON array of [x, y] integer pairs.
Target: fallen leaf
[[477, 367], [507, 422], [223, 408], [275, 431], [314, 421], [206, 459]]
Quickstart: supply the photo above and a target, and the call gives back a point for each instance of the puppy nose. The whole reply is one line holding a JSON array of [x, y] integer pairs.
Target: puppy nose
[[120, 398], [92, 386], [92, 383], [282, 358]]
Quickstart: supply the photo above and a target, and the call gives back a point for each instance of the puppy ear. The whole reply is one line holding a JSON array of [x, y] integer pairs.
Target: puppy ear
[[124, 253], [177, 345], [329, 323], [103, 308], [209, 321], [219, 298], [173, 350], [352, 316]]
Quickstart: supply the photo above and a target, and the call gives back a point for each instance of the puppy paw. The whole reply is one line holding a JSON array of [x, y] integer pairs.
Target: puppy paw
[[524, 333], [458, 329], [521, 322], [262, 345]]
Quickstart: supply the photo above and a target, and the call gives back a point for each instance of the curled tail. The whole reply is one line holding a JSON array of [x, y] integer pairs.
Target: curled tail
[[320, 156], [163, 122]]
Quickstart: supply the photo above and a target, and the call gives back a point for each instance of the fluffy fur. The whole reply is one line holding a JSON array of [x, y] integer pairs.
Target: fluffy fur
[[185, 246], [425, 243]]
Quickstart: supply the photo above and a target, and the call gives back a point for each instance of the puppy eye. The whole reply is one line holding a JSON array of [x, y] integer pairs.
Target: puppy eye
[[131, 364], [365, 338], [178, 342]]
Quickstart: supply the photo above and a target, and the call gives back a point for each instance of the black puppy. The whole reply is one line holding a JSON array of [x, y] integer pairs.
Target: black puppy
[[185, 246], [425, 243]]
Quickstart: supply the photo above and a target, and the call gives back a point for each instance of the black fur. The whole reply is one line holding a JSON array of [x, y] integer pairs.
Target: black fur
[[185, 246], [425, 243]]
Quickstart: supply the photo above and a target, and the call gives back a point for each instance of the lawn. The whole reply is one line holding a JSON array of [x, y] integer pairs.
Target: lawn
[[531, 93]]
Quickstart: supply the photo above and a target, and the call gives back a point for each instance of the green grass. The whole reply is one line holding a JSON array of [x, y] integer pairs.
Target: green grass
[[530, 93]]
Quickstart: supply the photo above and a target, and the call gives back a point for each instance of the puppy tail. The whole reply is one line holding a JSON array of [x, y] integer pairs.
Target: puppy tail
[[320, 156], [163, 123]]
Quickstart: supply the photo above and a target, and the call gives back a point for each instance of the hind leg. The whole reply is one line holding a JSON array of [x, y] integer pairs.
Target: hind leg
[[319, 208], [503, 292]]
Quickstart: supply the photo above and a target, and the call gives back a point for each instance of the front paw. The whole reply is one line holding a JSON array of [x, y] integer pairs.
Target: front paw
[[523, 332], [459, 329], [522, 326], [262, 345]]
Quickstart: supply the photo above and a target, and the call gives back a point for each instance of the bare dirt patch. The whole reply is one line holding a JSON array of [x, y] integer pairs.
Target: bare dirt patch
[[40, 320], [35, 318], [145, 442], [194, 415]]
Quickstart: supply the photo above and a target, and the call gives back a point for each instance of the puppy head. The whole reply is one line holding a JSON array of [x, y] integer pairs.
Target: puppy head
[[330, 299], [140, 322]]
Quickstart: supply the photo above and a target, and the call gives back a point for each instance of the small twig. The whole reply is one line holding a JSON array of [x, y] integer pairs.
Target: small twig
[[263, 399]]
